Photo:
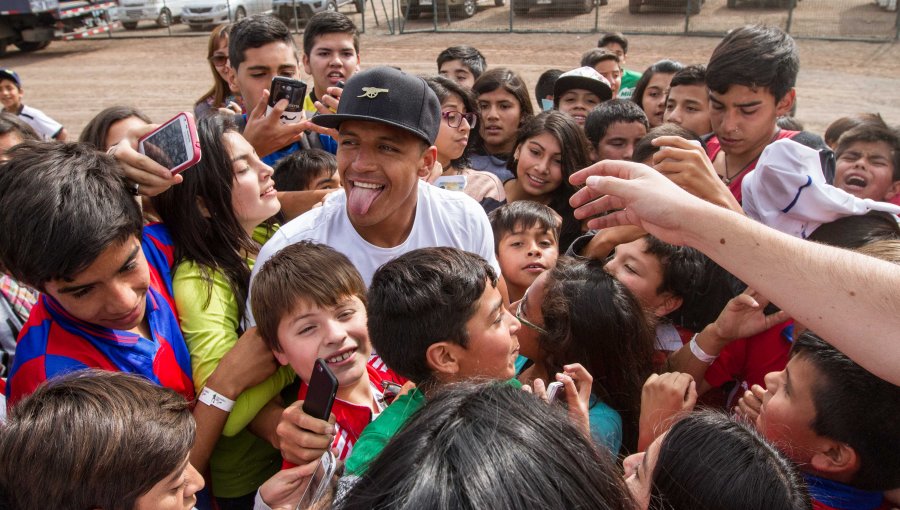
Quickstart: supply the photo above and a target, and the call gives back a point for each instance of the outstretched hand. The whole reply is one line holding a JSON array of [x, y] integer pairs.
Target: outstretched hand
[[637, 195]]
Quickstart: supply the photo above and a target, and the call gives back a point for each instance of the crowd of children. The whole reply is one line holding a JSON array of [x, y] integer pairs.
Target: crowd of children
[[654, 242]]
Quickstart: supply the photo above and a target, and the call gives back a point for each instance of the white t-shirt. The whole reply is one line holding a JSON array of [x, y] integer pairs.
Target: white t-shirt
[[443, 218], [46, 127]]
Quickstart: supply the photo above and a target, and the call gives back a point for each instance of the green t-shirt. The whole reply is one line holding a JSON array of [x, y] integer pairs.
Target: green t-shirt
[[377, 434], [241, 461], [629, 80]]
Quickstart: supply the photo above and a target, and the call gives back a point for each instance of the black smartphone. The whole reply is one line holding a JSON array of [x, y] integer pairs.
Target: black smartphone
[[292, 90], [323, 387]]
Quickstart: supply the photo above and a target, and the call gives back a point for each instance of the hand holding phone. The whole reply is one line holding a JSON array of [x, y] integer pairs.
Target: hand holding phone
[[173, 145], [295, 93]]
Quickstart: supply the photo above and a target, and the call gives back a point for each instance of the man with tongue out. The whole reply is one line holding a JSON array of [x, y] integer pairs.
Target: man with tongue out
[[386, 125]]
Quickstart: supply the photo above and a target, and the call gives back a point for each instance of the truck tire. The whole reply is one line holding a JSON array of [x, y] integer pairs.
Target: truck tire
[[164, 19], [634, 6], [415, 11], [499, 3], [32, 46], [468, 8], [239, 14], [520, 7], [331, 6], [3, 46], [731, 4], [587, 6], [129, 25]]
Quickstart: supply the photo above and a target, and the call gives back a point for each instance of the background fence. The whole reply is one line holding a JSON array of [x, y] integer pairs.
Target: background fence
[[866, 20]]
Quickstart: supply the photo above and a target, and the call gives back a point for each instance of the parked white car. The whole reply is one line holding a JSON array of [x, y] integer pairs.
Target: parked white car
[[163, 12], [204, 13]]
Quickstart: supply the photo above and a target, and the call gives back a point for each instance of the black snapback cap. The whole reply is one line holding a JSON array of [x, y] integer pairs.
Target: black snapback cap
[[384, 94]]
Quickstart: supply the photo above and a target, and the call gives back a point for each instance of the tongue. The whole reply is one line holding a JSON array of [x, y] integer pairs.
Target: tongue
[[360, 199]]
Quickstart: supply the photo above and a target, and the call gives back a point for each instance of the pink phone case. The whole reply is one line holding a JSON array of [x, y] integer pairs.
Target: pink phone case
[[194, 140]]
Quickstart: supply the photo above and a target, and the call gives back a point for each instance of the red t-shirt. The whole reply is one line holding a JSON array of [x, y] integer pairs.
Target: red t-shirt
[[746, 361]]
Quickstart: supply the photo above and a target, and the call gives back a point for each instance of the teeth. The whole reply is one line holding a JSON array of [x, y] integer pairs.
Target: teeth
[[367, 185], [341, 357], [856, 181], [535, 179]]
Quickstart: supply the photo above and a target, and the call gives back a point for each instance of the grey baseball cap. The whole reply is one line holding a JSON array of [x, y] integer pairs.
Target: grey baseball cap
[[384, 94]]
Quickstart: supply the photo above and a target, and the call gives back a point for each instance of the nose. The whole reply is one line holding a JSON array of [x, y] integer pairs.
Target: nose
[[122, 297], [491, 112], [514, 324], [195, 482], [265, 172], [534, 249], [631, 463], [629, 152], [335, 332], [673, 116], [771, 380]]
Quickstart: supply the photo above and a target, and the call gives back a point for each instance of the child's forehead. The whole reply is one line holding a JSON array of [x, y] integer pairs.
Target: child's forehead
[[8, 82], [535, 228], [579, 92]]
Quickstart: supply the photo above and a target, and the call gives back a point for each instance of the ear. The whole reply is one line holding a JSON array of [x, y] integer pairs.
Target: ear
[[281, 357], [786, 104], [837, 459], [593, 153], [426, 164], [892, 191], [232, 80], [669, 304], [306, 68], [443, 359]]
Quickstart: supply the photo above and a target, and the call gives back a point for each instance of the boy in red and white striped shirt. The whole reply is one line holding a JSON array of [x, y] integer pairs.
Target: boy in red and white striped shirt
[[310, 302]]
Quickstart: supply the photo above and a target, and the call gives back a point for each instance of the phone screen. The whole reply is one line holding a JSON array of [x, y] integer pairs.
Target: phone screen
[[320, 394], [169, 145]]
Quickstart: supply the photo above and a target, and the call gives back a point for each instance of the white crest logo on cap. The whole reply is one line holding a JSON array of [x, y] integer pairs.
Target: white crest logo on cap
[[372, 92]]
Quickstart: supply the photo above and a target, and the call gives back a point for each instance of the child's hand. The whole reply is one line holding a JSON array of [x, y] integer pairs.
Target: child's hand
[[605, 241], [744, 316], [329, 102], [686, 164], [284, 490], [578, 382], [148, 177], [749, 405], [663, 398], [302, 438], [266, 133]]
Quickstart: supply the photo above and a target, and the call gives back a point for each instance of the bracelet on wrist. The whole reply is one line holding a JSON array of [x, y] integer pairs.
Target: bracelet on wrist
[[215, 399], [698, 352]]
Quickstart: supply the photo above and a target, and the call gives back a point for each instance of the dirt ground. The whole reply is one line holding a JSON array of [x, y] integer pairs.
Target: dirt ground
[[71, 81]]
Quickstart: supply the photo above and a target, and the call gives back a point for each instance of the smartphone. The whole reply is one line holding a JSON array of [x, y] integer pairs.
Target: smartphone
[[295, 93], [173, 145], [323, 387], [554, 390]]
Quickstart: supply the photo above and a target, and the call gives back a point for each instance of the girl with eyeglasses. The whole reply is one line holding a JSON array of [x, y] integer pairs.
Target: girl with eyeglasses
[[459, 122], [219, 95], [578, 313]]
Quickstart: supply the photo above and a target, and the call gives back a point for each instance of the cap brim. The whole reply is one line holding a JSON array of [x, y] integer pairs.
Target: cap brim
[[566, 83], [334, 120], [6, 75]]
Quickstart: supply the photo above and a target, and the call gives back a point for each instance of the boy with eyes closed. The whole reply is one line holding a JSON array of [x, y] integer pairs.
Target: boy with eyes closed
[[750, 76]]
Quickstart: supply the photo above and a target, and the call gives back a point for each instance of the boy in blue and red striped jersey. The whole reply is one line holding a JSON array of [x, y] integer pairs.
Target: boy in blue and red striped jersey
[[69, 228], [310, 302]]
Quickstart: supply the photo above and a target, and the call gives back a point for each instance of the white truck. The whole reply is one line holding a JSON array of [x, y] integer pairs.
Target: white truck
[[30, 25]]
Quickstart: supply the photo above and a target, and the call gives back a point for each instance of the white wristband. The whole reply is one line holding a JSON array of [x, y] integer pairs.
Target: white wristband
[[212, 398], [699, 353]]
